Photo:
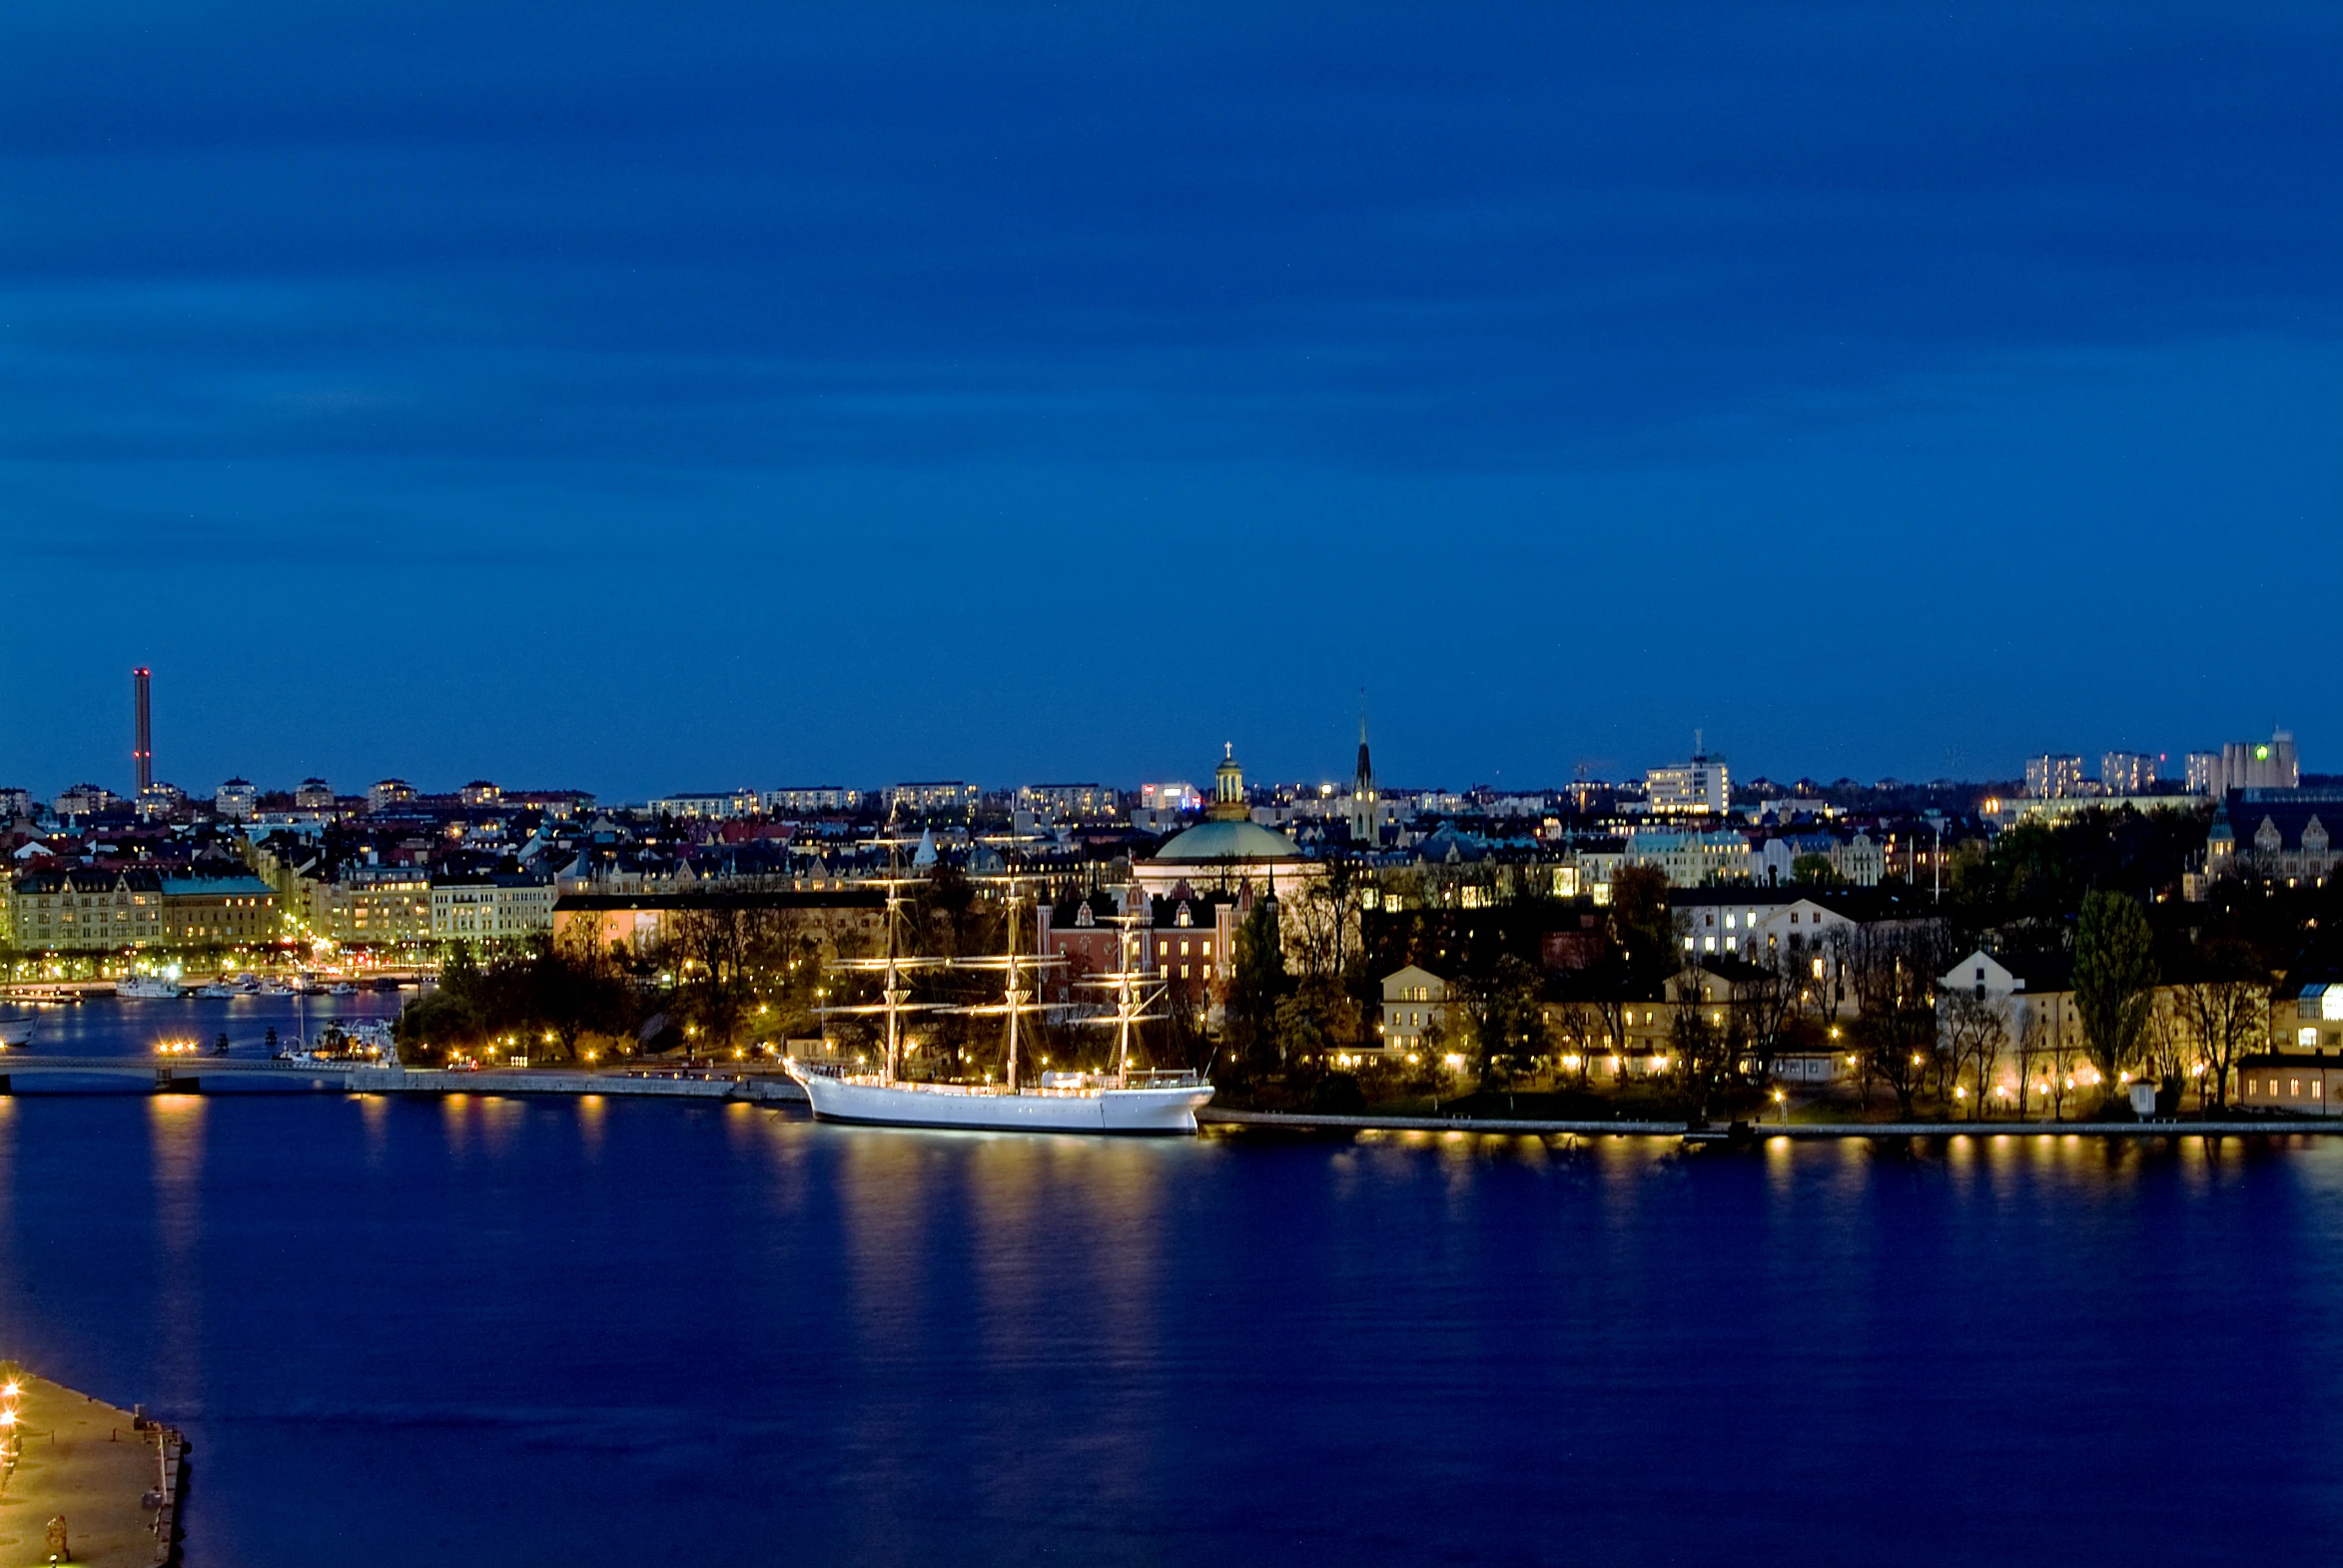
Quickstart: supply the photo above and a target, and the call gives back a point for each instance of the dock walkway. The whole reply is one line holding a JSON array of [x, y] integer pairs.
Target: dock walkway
[[114, 1486], [2234, 1128]]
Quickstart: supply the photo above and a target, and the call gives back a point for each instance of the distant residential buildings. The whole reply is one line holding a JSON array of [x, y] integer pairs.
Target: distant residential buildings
[[2056, 776], [219, 910], [2126, 773], [161, 802], [1690, 858], [83, 911], [388, 792], [83, 800], [2203, 774], [1070, 802], [313, 795], [709, 805], [368, 905], [237, 800], [922, 797], [799, 799], [92, 910], [490, 906], [1700, 787]]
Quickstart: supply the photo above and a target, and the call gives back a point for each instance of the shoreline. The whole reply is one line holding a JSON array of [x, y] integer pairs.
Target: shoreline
[[1760, 1132]]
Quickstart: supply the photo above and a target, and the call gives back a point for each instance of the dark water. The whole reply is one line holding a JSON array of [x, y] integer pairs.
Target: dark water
[[594, 1332], [112, 1026]]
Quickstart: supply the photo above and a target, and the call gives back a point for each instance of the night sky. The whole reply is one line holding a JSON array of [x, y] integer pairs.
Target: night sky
[[663, 397]]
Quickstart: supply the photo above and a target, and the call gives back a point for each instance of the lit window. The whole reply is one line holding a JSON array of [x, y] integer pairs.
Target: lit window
[[2307, 1038]]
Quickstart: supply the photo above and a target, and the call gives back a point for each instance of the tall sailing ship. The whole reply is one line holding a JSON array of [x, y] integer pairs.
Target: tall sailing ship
[[1123, 1098]]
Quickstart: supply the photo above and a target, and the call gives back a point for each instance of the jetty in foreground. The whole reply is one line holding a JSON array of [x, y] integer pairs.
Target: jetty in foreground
[[87, 1482]]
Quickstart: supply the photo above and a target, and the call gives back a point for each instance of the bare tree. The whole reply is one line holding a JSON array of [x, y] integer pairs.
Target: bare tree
[[2032, 1044], [1322, 929], [1976, 1034], [1580, 1026], [2168, 1046], [1893, 974], [2227, 1016]]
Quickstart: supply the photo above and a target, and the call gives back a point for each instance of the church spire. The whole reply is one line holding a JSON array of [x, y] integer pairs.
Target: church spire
[[1365, 828]]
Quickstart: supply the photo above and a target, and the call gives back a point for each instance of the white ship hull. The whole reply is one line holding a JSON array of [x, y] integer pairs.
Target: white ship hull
[[1165, 1110], [17, 1030], [150, 989]]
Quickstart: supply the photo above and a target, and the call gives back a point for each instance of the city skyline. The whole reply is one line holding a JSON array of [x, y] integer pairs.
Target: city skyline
[[2053, 773], [899, 391]]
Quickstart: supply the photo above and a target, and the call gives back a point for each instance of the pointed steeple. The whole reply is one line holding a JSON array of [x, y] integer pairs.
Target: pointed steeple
[[1363, 826]]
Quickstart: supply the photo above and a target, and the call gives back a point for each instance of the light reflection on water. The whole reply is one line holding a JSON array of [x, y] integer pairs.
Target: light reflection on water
[[721, 1327]]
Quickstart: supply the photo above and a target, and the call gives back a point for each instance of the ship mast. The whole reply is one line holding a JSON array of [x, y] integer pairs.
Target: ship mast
[[1017, 998], [1136, 990], [893, 979]]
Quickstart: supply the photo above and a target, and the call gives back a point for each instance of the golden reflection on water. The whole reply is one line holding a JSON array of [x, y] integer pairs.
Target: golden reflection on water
[[501, 1124], [741, 1121], [593, 1111], [456, 1122], [175, 1132], [374, 1117]]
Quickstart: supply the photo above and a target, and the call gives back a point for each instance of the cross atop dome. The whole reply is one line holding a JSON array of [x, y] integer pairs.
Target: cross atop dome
[[1228, 803]]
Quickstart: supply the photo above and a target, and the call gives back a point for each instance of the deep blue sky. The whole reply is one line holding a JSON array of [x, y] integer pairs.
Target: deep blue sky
[[676, 397]]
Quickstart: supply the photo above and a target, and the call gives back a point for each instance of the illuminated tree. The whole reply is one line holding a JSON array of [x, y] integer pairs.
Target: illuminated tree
[[2114, 980]]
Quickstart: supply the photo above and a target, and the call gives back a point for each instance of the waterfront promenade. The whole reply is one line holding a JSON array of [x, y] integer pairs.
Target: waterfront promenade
[[187, 1074], [2234, 1126], [112, 1480]]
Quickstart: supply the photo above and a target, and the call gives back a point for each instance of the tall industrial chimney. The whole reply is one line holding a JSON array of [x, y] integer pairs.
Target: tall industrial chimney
[[142, 747]]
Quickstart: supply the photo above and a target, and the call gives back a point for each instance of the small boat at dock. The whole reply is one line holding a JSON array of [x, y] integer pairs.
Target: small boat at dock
[[146, 987]]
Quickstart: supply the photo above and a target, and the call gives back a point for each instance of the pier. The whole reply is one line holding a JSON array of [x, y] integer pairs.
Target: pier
[[107, 1479], [189, 1074], [1757, 1131], [652, 1083]]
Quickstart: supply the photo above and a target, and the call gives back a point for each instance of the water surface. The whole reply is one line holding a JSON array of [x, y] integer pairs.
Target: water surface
[[608, 1331]]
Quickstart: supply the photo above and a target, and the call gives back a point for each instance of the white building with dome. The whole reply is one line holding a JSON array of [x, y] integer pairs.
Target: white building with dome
[[1228, 852]]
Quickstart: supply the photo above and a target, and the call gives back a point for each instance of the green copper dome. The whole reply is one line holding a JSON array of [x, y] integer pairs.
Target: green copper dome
[[1212, 841]]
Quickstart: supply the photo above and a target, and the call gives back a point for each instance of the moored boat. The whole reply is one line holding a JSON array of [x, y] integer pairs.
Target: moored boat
[[148, 986], [1100, 1102], [1124, 1100], [16, 1028]]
